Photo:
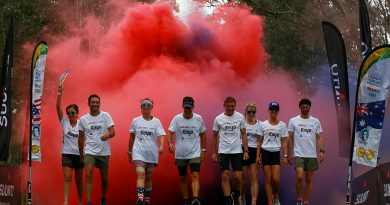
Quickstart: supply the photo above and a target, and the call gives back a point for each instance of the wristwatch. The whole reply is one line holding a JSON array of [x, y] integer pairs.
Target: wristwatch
[[322, 150]]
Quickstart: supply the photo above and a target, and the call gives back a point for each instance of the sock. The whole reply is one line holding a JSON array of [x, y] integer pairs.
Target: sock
[[270, 202], [140, 193], [299, 198], [148, 193]]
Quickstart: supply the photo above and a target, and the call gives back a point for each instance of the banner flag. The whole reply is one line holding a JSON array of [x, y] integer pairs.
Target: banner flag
[[335, 49], [365, 32], [6, 75], [38, 73], [372, 91]]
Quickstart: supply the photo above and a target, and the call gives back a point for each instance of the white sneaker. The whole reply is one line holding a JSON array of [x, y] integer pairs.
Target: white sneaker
[[276, 201]]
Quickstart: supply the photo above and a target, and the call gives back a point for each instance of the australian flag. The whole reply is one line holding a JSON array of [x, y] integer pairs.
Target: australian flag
[[370, 115]]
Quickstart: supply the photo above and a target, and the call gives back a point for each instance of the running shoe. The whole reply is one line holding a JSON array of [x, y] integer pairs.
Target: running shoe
[[299, 202], [139, 202], [276, 201], [195, 201]]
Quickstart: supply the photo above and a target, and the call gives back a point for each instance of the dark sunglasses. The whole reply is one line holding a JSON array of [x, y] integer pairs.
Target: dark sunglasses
[[70, 113], [146, 105], [251, 112]]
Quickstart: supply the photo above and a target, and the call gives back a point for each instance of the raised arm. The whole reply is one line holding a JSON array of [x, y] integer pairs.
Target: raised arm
[[58, 104]]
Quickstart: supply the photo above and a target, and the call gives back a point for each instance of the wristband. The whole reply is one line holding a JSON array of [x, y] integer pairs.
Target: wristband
[[286, 155], [203, 150], [322, 150], [129, 152]]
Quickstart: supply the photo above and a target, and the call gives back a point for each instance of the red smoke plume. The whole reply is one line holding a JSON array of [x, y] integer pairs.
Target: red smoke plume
[[149, 52]]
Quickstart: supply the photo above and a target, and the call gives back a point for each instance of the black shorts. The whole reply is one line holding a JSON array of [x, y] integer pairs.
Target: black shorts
[[72, 161], [194, 167], [234, 159], [270, 158], [252, 152]]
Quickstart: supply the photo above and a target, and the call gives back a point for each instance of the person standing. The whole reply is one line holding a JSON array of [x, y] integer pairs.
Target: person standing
[[229, 131], [70, 150], [189, 147], [305, 135], [95, 130], [143, 150], [249, 166], [273, 137]]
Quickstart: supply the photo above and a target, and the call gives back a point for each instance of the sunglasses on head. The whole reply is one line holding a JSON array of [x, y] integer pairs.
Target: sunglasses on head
[[70, 113], [251, 112], [146, 105]]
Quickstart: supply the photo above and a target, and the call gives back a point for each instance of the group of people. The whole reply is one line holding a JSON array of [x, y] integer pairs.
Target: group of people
[[239, 142]]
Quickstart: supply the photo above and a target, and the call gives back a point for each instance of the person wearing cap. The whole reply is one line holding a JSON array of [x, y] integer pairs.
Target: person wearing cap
[[273, 138], [95, 131], [229, 131], [189, 147], [143, 150], [249, 166], [304, 137]]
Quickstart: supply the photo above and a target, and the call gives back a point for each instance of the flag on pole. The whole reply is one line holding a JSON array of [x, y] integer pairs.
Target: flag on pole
[[38, 73], [365, 32], [372, 93], [63, 76], [6, 75], [335, 49]]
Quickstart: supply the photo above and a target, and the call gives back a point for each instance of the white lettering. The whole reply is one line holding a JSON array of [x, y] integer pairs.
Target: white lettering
[[386, 187], [362, 197], [6, 190]]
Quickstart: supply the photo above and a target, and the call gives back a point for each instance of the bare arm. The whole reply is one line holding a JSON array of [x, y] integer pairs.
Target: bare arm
[[161, 139], [58, 103], [290, 143], [203, 145], [171, 146], [244, 139], [81, 142], [130, 147], [214, 145], [109, 134], [320, 144], [258, 152]]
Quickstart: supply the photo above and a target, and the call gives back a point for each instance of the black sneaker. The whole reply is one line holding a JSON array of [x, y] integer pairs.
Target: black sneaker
[[195, 201], [139, 202], [186, 202]]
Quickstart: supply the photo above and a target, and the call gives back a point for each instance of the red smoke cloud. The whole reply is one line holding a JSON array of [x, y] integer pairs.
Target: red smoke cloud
[[149, 52]]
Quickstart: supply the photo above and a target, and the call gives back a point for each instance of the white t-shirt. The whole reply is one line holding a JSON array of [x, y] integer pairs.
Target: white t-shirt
[[272, 135], [305, 131], [187, 137], [229, 130], [70, 137], [253, 132], [146, 132], [94, 128]]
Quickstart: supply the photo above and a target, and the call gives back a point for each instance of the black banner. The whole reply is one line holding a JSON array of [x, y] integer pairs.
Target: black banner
[[10, 185], [384, 184], [365, 32], [6, 72], [335, 49], [365, 188]]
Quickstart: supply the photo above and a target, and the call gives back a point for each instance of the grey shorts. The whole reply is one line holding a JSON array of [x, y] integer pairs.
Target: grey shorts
[[97, 161]]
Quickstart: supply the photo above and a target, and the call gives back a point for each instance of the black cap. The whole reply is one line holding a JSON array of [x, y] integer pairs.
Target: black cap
[[188, 102], [273, 106]]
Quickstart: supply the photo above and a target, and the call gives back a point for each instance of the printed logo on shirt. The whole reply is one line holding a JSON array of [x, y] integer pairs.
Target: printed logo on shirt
[[272, 134], [73, 135], [96, 127], [307, 130], [188, 132], [230, 127], [251, 135], [146, 133]]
